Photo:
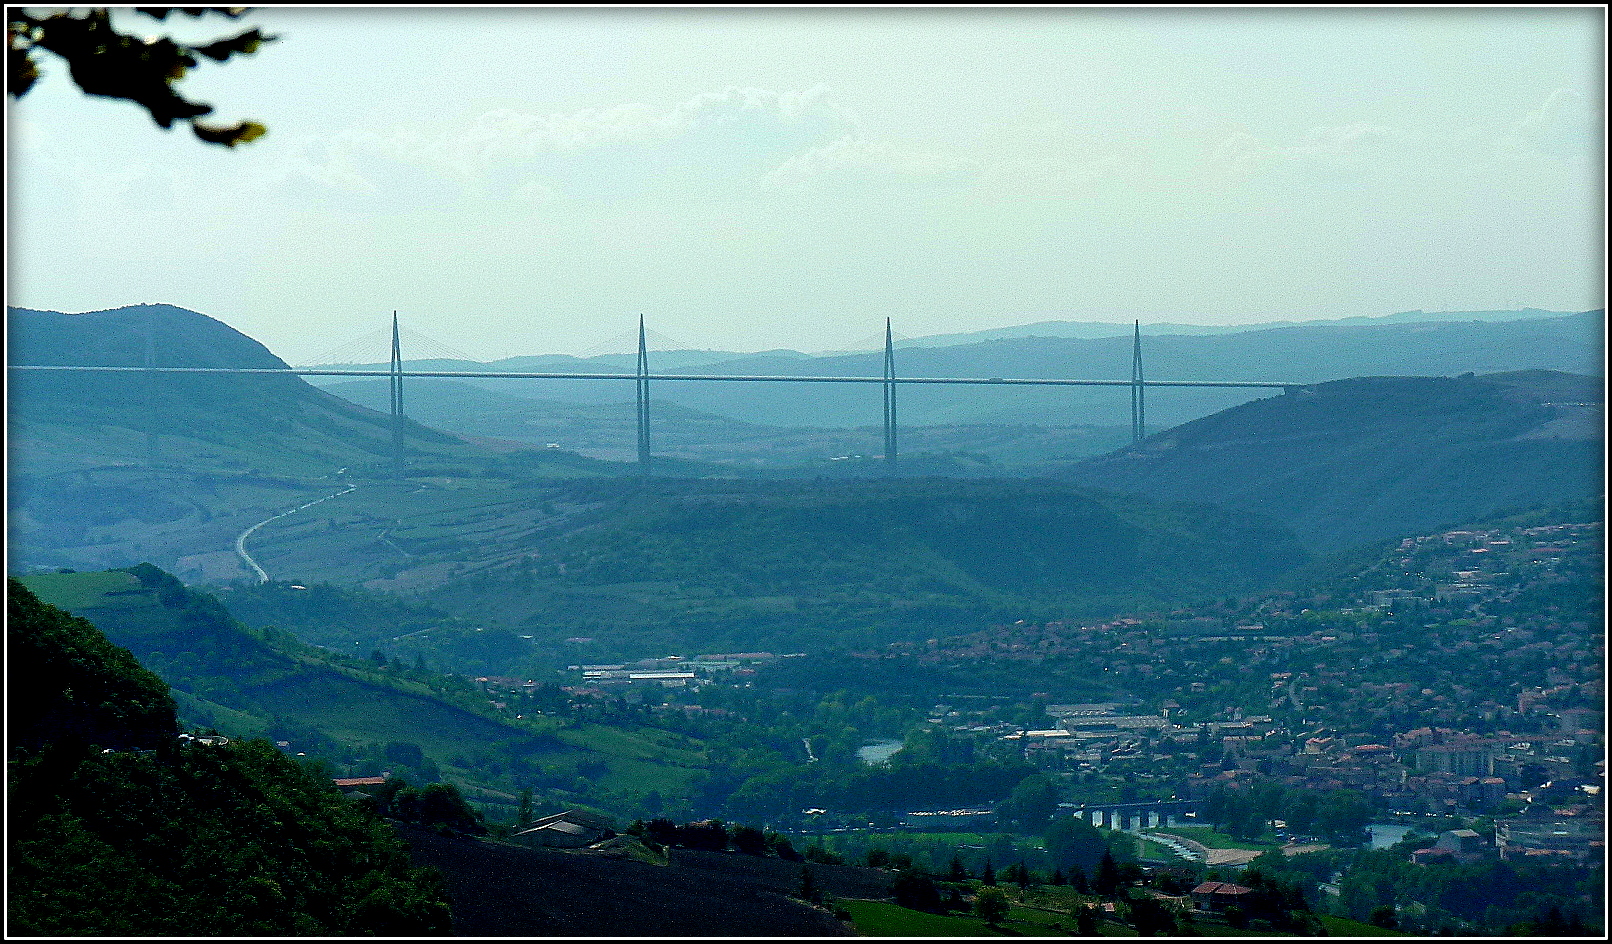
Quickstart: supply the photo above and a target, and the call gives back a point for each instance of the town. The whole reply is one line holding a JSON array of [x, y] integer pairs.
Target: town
[[1453, 686]]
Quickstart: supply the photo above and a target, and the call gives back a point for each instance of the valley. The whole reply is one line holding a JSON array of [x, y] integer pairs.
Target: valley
[[1373, 599]]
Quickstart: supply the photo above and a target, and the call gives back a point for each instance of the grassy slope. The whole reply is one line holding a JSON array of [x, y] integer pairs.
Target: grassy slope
[[886, 919], [345, 704], [1345, 927]]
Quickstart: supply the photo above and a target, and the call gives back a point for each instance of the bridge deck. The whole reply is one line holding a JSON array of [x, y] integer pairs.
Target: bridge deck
[[769, 378]]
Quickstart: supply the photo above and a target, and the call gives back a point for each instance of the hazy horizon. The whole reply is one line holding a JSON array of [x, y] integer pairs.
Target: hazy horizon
[[526, 180], [368, 348]]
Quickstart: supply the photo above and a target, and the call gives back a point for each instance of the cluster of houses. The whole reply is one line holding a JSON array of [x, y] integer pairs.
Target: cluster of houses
[[678, 672], [1573, 834], [1488, 556]]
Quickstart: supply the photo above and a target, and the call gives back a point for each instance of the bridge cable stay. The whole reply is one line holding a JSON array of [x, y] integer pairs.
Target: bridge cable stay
[[627, 342], [366, 349]]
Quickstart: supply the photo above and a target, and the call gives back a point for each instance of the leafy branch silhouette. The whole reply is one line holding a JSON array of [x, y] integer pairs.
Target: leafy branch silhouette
[[105, 62]]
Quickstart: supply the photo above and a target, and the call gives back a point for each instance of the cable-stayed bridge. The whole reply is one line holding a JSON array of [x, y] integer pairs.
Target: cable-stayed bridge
[[643, 377]]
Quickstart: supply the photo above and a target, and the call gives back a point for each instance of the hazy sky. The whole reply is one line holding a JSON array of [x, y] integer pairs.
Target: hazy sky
[[524, 180]]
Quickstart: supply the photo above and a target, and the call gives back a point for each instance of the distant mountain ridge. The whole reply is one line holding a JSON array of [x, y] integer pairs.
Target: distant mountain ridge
[[1149, 328], [284, 424], [1311, 352], [1357, 460]]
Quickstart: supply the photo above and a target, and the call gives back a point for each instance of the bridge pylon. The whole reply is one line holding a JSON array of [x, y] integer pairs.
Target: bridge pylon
[[1138, 390], [397, 401], [889, 397], [643, 397]]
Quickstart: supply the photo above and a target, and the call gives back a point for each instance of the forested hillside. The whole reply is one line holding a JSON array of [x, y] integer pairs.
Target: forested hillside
[[117, 828], [744, 565], [1370, 458], [364, 712]]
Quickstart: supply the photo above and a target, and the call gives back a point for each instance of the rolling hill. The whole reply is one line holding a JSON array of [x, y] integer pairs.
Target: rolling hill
[[105, 470], [715, 565], [60, 421], [257, 683], [1368, 458]]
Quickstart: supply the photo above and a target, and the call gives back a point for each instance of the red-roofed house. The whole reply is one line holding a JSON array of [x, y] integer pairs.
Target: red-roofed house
[[1217, 896]]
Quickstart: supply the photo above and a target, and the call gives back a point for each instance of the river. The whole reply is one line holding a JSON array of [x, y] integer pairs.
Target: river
[[878, 752], [1384, 835]]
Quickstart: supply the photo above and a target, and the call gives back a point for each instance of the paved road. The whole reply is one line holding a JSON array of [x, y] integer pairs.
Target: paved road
[[240, 541]]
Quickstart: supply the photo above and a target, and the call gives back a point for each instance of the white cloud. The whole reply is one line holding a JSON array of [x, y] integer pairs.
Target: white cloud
[[715, 141], [1359, 144], [859, 161], [1565, 126]]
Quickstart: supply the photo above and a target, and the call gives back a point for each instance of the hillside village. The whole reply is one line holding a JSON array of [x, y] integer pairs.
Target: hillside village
[[1445, 683]]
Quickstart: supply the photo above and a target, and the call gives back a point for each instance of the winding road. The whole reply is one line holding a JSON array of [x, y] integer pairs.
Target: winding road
[[240, 541]]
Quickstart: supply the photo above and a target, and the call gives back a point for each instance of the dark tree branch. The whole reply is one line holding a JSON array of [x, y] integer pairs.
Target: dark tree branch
[[104, 62]]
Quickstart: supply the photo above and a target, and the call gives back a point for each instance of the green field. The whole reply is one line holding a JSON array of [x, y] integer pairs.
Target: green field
[[1345, 927], [884, 919], [958, 839], [76, 592], [1212, 838]]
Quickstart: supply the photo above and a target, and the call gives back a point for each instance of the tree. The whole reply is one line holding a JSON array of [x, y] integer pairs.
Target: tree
[[1150, 916], [1073, 843], [782, 848], [68, 683], [436, 804], [1107, 881], [661, 831], [1384, 916], [1032, 803], [991, 904], [748, 839], [913, 889], [523, 815], [808, 890], [956, 872], [105, 62], [1077, 880]]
